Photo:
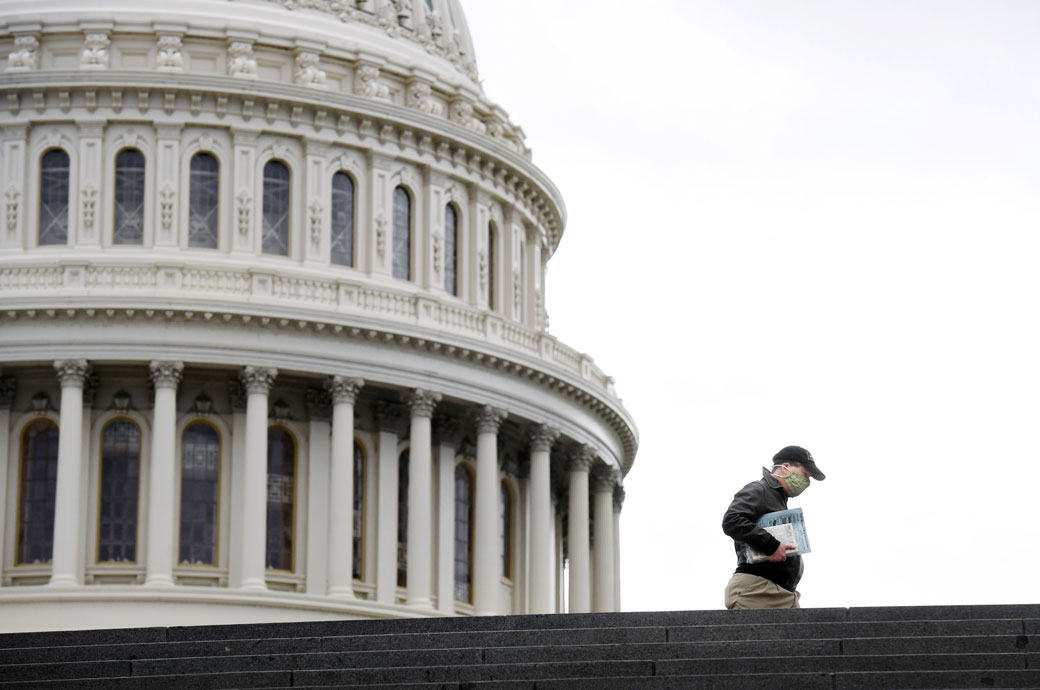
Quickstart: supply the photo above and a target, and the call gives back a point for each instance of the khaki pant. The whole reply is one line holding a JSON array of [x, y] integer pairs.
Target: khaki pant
[[753, 592]]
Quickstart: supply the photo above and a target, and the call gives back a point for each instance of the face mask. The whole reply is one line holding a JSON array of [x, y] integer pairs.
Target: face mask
[[796, 483]]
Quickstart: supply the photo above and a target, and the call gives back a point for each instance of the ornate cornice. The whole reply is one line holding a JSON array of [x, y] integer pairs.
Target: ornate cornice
[[165, 374]]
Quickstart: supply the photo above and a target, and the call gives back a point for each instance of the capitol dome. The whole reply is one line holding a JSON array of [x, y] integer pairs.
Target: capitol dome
[[273, 339]]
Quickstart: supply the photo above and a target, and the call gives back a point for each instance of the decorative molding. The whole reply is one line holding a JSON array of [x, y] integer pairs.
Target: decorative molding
[[169, 58], [11, 197], [489, 418], [72, 372], [26, 54], [165, 374], [166, 198], [245, 206], [307, 72], [381, 228], [94, 54], [368, 84], [421, 401], [258, 379], [420, 97], [241, 63], [438, 251], [316, 213], [344, 389]]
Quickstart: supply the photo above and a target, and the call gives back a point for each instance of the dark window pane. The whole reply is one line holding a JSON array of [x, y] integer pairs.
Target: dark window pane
[[54, 197], [491, 265], [402, 235], [402, 520], [281, 496], [200, 478], [342, 219], [204, 201], [36, 509], [463, 535], [505, 523], [129, 200], [120, 460], [276, 209], [359, 507], [451, 259]]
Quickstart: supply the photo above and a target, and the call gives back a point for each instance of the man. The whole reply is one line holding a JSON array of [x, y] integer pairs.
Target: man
[[772, 583]]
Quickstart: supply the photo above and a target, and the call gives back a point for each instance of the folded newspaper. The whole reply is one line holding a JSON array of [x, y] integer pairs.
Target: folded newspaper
[[786, 525]]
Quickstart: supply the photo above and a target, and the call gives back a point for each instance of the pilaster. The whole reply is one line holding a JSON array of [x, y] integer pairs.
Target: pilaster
[[88, 207], [14, 158], [167, 167], [388, 416]]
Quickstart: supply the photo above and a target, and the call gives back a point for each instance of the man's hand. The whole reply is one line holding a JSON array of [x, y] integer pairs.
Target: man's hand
[[781, 553]]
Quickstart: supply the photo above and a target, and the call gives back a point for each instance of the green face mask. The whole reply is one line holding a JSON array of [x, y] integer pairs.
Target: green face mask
[[796, 483]]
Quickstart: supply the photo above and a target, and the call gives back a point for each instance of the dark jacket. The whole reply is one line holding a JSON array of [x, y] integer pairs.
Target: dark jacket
[[750, 503]]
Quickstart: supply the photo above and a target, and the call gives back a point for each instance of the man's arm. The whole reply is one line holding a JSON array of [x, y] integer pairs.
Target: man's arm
[[739, 523]]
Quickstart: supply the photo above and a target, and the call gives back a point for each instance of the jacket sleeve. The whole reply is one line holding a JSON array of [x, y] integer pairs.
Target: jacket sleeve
[[739, 520]]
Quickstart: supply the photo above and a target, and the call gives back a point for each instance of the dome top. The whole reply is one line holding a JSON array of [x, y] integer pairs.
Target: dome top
[[439, 26]]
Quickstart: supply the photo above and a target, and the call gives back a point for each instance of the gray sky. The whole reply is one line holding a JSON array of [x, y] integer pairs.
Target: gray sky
[[800, 222]]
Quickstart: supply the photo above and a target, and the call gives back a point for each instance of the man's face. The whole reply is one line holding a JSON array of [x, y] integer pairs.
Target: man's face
[[788, 469]]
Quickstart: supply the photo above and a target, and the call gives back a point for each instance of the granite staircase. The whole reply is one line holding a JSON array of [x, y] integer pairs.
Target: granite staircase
[[810, 649]]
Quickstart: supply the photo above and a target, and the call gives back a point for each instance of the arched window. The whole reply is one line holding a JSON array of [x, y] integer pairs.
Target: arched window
[[491, 266], [281, 498], [463, 534], [402, 238], [402, 520], [505, 530], [54, 197], [451, 252], [203, 201], [276, 209], [342, 219], [36, 488], [128, 227], [200, 494], [117, 507], [359, 511]]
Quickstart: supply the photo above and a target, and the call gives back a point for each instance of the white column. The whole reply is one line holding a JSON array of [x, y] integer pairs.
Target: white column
[[619, 499], [344, 392], [578, 530], [386, 506], [420, 492], [541, 555], [486, 565], [162, 476], [446, 515], [257, 382], [603, 526], [67, 505]]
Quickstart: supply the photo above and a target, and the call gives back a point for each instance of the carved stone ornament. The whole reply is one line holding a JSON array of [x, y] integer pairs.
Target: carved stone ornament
[[170, 58], [72, 372], [258, 379], [95, 51], [489, 419], [421, 401], [307, 72], [543, 437], [518, 290], [581, 458], [318, 402], [438, 250], [420, 97], [245, 204], [344, 389], [462, 113], [11, 203], [447, 429], [316, 211], [619, 498], [25, 56], [381, 234], [241, 63], [89, 195], [368, 83], [482, 266], [388, 416], [166, 197], [165, 374]]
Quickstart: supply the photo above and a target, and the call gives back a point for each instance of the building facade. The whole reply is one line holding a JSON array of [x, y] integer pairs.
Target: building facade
[[273, 342]]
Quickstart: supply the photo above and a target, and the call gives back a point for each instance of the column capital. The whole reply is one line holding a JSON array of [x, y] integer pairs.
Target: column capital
[[604, 478], [421, 401], [318, 402], [489, 418], [258, 379], [344, 389], [543, 436], [446, 428], [236, 394], [581, 457], [8, 388], [619, 498], [165, 374], [72, 372]]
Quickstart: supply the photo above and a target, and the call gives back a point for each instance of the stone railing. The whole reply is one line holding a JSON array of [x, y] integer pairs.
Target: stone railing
[[75, 283]]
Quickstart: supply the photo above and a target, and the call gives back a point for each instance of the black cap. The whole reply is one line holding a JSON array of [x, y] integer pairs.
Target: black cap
[[802, 457]]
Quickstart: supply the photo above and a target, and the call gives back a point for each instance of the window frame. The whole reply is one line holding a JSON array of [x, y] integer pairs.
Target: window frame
[[17, 563], [180, 495], [218, 210], [68, 198], [353, 217], [289, 209], [295, 500], [144, 198], [141, 459], [410, 230], [472, 477]]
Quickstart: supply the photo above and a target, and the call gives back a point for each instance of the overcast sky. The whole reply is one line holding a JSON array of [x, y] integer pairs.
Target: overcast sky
[[800, 222]]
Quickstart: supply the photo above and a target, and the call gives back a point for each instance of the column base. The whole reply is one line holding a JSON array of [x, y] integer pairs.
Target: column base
[[253, 586], [342, 592], [425, 603], [159, 581], [64, 581]]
